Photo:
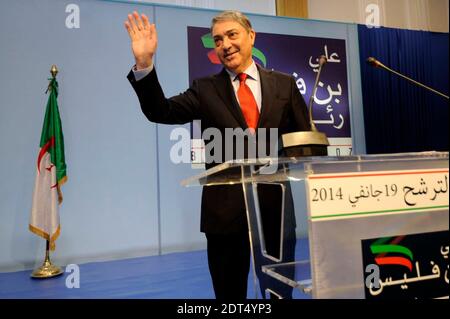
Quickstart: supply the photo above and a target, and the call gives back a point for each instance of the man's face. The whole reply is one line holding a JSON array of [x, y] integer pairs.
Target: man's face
[[233, 45]]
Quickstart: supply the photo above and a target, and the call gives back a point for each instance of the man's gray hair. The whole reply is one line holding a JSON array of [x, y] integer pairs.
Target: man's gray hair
[[233, 16]]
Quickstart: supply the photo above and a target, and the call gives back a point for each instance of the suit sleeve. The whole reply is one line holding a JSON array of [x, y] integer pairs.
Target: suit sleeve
[[180, 109], [299, 109]]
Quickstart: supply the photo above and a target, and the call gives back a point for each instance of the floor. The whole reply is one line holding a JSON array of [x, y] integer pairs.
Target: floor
[[172, 276]]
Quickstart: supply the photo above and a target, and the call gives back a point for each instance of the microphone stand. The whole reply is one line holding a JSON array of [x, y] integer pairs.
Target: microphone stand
[[306, 143], [322, 61], [377, 64]]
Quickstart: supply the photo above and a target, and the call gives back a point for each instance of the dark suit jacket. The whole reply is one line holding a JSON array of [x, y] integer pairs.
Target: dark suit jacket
[[213, 101]]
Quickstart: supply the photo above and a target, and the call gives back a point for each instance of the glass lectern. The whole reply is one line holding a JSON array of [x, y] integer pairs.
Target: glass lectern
[[377, 224]]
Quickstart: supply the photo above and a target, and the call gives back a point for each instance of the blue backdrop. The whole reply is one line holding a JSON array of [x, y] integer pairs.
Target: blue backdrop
[[123, 197], [398, 116]]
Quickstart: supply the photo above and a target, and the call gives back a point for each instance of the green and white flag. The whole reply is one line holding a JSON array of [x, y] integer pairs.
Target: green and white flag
[[51, 173]]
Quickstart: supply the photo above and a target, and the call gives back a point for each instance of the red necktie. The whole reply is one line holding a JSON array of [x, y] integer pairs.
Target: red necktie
[[248, 103]]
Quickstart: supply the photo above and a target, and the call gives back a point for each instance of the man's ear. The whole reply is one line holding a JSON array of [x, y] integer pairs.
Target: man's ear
[[253, 36]]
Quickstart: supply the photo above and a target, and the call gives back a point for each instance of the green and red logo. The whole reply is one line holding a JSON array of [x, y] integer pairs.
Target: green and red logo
[[208, 43], [389, 252]]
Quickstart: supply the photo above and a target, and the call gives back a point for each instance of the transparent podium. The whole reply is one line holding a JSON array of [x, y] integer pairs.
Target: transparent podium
[[377, 224]]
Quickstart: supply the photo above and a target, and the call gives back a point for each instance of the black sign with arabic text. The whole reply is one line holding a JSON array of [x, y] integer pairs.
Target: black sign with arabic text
[[406, 266]]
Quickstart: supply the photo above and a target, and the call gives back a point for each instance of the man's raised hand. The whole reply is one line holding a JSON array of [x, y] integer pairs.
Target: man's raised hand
[[144, 39]]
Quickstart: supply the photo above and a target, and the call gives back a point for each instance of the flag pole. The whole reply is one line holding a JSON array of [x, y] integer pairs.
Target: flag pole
[[48, 270]]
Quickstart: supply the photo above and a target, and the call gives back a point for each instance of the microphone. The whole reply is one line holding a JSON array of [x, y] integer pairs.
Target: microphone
[[377, 64], [374, 62], [306, 143], [322, 61]]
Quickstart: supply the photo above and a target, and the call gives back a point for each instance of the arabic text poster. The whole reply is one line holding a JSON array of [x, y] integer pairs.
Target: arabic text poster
[[361, 194], [298, 57], [407, 266]]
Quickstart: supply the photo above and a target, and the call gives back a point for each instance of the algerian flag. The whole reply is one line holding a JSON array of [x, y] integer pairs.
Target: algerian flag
[[51, 173]]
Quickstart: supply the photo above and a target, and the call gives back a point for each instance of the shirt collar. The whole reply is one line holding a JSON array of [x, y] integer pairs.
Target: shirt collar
[[252, 72]]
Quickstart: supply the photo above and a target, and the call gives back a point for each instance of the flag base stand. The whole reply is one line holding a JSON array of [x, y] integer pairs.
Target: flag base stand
[[47, 270]]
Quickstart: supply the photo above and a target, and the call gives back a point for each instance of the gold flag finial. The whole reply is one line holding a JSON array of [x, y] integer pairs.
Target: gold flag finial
[[54, 71]]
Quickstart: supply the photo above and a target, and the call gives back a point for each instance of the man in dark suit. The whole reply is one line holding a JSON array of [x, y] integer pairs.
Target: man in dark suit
[[246, 96]]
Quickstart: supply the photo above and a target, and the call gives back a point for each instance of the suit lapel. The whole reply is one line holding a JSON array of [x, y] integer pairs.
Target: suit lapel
[[226, 93], [268, 91]]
